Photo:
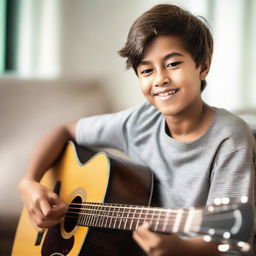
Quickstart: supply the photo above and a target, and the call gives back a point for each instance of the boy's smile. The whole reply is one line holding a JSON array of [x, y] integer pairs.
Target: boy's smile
[[169, 78]]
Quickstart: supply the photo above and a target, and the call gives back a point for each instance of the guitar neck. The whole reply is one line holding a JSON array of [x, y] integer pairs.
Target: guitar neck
[[129, 217]]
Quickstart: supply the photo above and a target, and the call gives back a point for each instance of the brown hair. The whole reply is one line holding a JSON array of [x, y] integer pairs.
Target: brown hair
[[166, 19]]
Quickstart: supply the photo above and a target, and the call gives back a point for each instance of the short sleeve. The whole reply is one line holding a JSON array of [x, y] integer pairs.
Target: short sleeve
[[104, 130], [233, 172]]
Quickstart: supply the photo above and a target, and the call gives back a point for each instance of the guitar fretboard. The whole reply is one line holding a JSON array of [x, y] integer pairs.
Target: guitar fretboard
[[129, 217]]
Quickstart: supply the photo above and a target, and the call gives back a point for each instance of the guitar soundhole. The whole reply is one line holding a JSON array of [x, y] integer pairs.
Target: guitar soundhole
[[73, 214]]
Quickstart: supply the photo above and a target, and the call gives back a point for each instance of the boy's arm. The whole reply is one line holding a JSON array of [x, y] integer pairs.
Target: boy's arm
[[44, 207], [155, 244]]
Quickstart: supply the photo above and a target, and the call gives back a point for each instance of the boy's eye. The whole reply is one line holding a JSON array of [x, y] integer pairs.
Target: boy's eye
[[146, 71], [173, 64]]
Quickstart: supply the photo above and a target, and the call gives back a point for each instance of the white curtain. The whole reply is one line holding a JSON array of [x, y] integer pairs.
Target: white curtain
[[38, 38], [231, 83]]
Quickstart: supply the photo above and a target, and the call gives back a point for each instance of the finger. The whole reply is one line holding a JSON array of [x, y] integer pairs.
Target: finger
[[141, 242], [144, 231], [57, 203], [43, 216], [35, 220], [57, 212], [42, 222], [53, 207], [45, 207]]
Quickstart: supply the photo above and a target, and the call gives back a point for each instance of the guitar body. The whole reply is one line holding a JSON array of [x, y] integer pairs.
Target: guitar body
[[81, 175]]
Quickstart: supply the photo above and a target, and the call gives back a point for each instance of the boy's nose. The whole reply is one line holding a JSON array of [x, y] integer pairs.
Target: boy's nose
[[162, 78]]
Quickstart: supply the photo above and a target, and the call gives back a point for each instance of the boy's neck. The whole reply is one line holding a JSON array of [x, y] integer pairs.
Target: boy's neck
[[191, 124]]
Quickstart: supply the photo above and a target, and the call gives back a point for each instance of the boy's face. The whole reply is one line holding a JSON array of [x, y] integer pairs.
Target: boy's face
[[169, 78]]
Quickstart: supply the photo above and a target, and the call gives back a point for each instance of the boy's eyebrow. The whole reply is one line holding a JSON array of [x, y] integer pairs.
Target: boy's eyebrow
[[173, 54], [168, 56]]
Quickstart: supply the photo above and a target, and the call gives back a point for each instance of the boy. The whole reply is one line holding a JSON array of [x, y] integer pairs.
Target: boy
[[196, 152]]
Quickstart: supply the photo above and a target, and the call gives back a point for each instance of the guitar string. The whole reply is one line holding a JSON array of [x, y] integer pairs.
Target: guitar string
[[164, 219], [131, 216], [155, 225], [140, 211], [121, 217], [91, 204], [129, 207], [149, 219], [96, 206], [128, 218], [147, 214], [115, 213], [147, 207]]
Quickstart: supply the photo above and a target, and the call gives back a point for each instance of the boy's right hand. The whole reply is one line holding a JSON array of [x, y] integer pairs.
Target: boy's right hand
[[44, 207]]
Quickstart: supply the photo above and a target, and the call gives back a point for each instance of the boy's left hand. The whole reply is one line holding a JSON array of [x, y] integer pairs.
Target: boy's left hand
[[155, 244]]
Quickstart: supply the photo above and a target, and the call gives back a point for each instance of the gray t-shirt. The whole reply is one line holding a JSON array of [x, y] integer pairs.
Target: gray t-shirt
[[188, 174]]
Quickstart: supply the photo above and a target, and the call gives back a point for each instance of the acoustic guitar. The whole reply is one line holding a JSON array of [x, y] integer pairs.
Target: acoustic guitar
[[108, 198]]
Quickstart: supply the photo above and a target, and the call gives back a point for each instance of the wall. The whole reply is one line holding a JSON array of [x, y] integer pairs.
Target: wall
[[91, 34], [81, 38], [93, 31]]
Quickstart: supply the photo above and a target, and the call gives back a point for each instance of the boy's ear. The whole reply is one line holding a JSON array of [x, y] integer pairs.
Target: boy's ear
[[205, 67]]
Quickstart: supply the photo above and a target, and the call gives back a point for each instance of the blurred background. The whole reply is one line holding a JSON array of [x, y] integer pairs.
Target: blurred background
[[59, 61]]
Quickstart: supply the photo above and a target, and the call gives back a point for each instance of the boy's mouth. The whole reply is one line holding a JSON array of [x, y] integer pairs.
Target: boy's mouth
[[166, 93]]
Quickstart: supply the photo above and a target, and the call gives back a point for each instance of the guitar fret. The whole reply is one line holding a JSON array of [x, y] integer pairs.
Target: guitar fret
[[121, 220], [95, 215], [86, 216], [188, 223], [158, 214], [106, 220], [177, 221], [141, 216], [93, 212], [127, 216], [101, 209], [83, 216], [90, 219], [137, 218], [116, 217], [166, 220], [146, 217], [132, 219], [79, 218]]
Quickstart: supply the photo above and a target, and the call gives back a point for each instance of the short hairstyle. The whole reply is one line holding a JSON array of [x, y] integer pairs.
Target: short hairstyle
[[166, 19]]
